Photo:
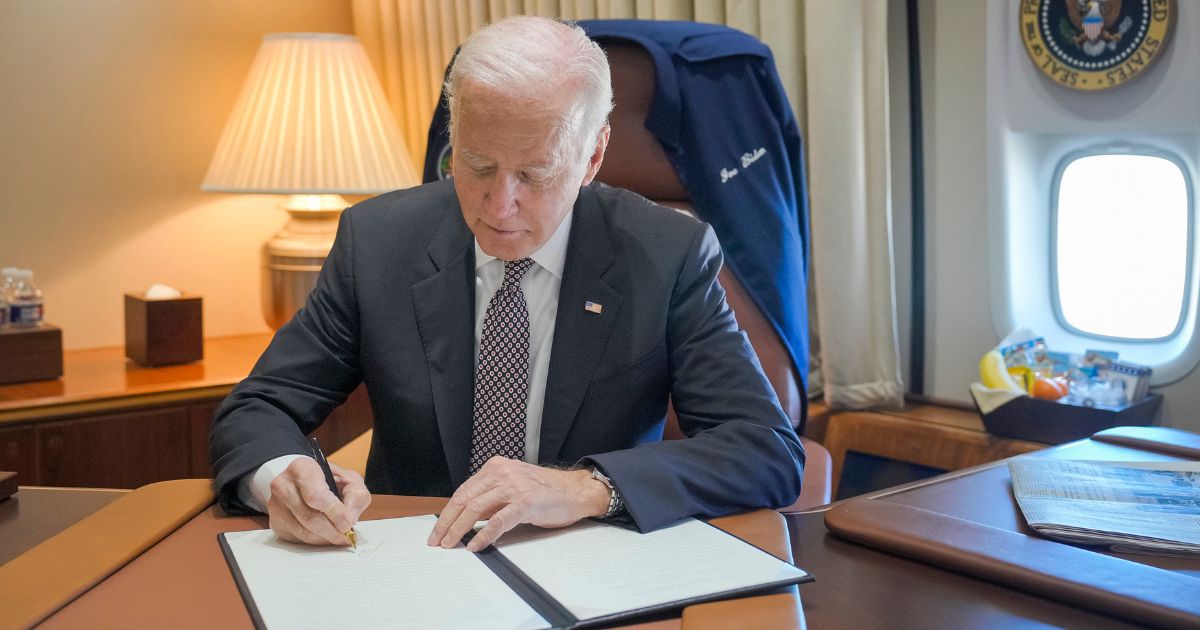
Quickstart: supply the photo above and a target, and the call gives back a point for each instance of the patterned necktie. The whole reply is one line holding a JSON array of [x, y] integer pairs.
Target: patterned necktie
[[502, 378]]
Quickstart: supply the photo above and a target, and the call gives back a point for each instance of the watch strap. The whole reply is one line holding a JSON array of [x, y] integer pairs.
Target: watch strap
[[615, 504]]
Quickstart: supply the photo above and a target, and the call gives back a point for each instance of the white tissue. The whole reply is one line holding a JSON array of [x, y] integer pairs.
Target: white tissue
[[987, 399], [161, 292]]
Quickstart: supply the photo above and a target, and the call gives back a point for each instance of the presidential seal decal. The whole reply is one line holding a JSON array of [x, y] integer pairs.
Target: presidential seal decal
[[443, 163], [1095, 44]]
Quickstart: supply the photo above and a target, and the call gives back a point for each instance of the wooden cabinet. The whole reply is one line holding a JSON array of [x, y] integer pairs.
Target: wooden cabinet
[[116, 450], [930, 436], [18, 454], [200, 416], [109, 423]]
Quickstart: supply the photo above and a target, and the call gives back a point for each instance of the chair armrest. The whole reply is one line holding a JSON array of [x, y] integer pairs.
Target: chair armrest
[[817, 487]]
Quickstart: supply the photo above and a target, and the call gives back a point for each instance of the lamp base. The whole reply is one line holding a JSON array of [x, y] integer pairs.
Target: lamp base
[[292, 259]]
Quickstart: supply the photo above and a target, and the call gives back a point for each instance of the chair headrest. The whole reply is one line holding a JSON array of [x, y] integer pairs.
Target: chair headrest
[[635, 160]]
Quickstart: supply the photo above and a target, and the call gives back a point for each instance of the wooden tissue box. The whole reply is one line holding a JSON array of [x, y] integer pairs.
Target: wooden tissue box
[[31, 353], [163, 331]]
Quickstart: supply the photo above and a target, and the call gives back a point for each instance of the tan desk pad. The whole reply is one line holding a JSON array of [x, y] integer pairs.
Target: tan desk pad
[[970, 523], [35, 514], [865, 588], [53, 573], [184, 582], [1158, 439]]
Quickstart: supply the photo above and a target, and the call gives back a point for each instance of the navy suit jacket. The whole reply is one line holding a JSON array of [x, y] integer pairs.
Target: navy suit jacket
[[394, 308]]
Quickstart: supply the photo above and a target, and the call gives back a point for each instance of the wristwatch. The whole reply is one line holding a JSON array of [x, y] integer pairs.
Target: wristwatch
[[615, 504]]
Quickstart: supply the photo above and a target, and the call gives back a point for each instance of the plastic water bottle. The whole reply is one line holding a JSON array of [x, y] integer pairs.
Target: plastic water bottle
[[6, 284], [24, 300]]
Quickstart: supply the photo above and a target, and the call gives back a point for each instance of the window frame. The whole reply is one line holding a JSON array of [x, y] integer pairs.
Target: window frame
[[1189, 255]]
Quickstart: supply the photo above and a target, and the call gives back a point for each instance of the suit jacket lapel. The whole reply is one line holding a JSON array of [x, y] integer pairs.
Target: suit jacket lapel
[[445, 306], [579, 335]]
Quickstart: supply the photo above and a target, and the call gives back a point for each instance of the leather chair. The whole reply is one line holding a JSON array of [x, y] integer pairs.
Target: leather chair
[[635, 160]]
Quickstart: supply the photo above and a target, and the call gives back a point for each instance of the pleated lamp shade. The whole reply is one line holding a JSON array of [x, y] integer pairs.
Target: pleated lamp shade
[[311, 119]]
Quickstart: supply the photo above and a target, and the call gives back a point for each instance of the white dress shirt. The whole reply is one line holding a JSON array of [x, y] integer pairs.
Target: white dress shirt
[[541, 286]]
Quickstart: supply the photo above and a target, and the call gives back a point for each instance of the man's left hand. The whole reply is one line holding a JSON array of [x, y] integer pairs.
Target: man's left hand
[[507, 492]]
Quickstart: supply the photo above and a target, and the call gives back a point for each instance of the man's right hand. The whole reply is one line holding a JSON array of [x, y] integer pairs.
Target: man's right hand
[[303, 510]]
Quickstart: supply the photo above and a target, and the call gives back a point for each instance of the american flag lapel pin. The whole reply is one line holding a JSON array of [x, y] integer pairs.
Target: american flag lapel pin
[[593, 307]]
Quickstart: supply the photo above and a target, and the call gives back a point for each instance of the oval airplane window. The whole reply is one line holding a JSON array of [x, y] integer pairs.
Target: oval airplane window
[[1121, 245]]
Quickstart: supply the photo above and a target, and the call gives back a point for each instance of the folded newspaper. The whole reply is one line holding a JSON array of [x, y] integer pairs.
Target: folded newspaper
[[1136, 507]]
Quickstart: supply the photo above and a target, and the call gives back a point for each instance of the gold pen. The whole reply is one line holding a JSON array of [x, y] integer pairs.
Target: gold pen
[[324, 463]]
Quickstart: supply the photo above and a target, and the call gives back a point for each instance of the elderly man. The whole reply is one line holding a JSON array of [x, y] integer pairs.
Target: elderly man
[[519, 330]]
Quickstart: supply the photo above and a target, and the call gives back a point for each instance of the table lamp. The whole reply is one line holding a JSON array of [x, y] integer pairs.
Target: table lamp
[[311, 122]]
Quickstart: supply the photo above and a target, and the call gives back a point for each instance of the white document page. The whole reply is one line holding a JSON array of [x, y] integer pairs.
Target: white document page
[[393, 580], [595, 570]]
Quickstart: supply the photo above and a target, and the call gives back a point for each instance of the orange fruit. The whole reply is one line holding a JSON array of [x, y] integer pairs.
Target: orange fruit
[[1049, 388]]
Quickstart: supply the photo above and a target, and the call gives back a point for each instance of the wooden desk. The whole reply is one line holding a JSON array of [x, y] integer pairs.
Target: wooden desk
[[856, 586], [183, 580], [862, 587], [939, 437], [109, 422]]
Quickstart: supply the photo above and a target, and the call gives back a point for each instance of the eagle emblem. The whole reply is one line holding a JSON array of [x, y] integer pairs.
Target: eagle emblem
[[1096, 23], [1094, 44], [444, 170]]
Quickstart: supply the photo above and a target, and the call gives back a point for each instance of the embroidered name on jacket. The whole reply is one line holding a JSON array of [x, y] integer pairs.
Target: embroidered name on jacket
[[747, 159]]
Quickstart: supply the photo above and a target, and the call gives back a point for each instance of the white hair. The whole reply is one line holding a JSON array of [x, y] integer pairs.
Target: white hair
[[526, 57]]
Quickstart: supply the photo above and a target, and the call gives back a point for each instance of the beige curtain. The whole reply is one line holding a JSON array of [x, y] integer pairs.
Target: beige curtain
[[832, 59], [850, 203], [411, 41]]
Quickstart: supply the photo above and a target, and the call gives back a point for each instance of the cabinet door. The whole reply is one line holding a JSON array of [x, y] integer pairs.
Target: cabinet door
[[120, 450], [201, 417], [17, 454]]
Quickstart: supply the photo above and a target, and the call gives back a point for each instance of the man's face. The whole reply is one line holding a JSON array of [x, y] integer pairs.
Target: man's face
[[514, 182]]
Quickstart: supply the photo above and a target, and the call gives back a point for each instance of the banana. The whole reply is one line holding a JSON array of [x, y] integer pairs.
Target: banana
[[993, 373]]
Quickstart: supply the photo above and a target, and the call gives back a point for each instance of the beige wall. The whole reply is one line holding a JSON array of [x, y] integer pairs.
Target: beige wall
[[111, 111]]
